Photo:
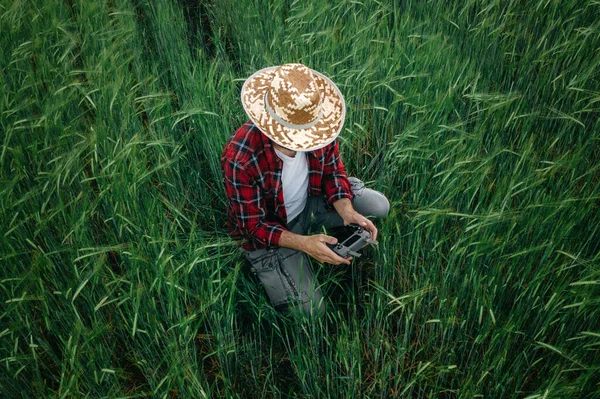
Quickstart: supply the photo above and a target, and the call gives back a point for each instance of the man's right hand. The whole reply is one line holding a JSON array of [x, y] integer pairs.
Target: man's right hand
[[316, 246]]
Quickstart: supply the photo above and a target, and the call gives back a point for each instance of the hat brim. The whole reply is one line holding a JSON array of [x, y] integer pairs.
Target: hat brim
[[329, 125]]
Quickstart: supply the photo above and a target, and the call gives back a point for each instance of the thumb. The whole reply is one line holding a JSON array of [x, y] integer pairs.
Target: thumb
[[330, 239]]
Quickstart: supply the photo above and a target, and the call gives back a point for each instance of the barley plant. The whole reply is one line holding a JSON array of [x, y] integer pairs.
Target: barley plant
[[479, 119]]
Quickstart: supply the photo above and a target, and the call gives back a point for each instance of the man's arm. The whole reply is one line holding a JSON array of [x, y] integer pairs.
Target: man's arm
[[338, 192], [245, 196], [335, 183]]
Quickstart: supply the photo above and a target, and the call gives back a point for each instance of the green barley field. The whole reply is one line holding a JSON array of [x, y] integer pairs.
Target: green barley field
[[478, 119]]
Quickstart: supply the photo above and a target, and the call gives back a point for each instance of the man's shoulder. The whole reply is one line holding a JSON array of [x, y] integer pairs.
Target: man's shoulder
[[244, 145]]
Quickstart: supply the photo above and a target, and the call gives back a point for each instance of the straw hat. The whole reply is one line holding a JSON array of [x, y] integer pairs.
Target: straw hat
[[296, 107]]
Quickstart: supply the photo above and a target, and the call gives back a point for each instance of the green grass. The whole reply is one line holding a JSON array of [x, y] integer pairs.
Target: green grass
[[478, 119]]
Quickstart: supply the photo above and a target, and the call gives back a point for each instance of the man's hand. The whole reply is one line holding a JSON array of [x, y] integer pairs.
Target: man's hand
[[345, 209], [316, 246]]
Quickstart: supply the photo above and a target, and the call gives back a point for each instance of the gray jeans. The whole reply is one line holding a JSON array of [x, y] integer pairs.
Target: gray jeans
[[286, 274]]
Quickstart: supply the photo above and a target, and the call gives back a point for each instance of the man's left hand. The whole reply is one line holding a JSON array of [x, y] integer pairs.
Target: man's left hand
[[355, 217], [345, 209]]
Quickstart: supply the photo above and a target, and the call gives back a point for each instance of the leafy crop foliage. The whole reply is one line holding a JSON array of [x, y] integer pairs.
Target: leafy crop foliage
[[478, 119]]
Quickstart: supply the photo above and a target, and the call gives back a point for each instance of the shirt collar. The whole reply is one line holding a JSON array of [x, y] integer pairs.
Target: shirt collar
[[269, 149]]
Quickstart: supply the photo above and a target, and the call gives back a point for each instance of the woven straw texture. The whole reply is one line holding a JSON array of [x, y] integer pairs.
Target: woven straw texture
[[296, 107]]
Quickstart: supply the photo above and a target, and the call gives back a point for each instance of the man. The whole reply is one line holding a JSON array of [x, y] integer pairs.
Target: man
[[284, 178]]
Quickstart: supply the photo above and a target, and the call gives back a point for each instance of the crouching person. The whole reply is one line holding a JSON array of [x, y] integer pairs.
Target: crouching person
[[284, 179]]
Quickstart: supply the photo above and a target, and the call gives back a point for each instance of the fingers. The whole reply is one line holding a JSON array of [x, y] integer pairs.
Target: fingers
[[371, 227], [362, 221], [333, 258], [328, 255], [367, 224], [336, 259], [329, 239]]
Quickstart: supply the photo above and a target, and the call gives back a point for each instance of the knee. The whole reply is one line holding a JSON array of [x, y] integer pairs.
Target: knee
[[380, 207], [368, 202]]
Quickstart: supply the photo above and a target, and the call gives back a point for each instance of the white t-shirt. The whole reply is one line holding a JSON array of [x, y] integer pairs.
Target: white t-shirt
[[294, 182]]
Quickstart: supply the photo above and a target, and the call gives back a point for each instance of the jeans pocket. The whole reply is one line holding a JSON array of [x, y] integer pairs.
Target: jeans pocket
[[262, 260], [266, 265]]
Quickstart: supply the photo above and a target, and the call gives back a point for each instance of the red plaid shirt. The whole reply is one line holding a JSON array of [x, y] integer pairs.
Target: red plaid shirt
[[252, 178]]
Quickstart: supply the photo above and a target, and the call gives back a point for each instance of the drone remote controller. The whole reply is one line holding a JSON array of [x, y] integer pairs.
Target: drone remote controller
[[356, 238]]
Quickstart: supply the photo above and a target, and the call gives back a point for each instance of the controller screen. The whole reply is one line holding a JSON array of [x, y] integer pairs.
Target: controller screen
[[351, 241]]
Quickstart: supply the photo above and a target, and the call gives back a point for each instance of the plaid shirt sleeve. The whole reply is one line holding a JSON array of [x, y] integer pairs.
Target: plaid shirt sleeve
[[335, 181], [248, 206]]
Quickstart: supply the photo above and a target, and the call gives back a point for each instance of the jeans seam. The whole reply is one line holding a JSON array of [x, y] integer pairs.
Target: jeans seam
[[287, 276]]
